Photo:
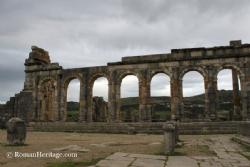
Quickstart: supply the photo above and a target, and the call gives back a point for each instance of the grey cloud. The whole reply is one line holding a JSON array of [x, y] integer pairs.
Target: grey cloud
[[89, 33]]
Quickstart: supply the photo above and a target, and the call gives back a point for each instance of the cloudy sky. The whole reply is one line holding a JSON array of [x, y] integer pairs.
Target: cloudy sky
[[80, 33]]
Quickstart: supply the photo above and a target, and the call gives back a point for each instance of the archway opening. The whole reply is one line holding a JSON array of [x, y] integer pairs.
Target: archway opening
[[160, 98], [229, 105], [193, 96], [73, 101], [100, 100], [129, 99]]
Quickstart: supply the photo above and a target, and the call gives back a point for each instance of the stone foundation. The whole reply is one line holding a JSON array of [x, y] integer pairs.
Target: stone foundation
[[196, 128], [244, 129]]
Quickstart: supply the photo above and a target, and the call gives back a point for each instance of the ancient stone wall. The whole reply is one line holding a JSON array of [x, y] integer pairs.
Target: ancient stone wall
[[243, 129], [48, 82]]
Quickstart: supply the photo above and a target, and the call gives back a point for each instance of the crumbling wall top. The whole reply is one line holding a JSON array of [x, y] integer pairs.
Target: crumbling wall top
[[38, 56]]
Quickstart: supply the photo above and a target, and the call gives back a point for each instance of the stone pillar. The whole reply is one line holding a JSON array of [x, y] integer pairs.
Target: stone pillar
[[170, 137], [118, 102], [114, 101], [64, 104], [111, 101], [211, 95], [245, 98], [83, 103], [89, 99], [59, 97], [16, 131], [176, 97], [144, 95], [236, 95]]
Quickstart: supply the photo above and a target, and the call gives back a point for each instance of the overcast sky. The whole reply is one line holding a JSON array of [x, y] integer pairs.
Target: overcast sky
[[80, 33]]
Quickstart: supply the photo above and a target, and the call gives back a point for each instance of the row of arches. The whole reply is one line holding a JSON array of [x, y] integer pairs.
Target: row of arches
[[160, 92]]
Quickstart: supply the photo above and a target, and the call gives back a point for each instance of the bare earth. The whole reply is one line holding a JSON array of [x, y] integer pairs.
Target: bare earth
[[103, 145]]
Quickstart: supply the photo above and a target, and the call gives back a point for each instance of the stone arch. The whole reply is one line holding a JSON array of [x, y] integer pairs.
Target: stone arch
[[95, 77], [194, 102], [198, 69], [128, 115], [45, 79], [47, 99], [91, 102], [69, 78], [232, 67], [155, 72], [122, 75], [64, 91], [160, 108], [235, 112]]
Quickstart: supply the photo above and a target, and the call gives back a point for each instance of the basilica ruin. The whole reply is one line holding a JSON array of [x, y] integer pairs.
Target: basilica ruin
[[44, 96]]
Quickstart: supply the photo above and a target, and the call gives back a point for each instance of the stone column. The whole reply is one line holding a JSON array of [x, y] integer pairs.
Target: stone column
[[170, 137], [111, 101], [57, 113], [83, 103], [118, 102], [89, 100], [176, 96], [144, 95], [211, 95], [245, 95], [236, 95], [114, 99], [63, 102]]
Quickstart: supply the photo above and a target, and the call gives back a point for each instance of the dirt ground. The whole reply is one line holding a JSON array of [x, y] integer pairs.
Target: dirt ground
[[102, 146], [99, 146]]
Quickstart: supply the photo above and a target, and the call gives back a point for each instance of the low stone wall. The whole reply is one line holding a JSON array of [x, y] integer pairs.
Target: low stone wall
[[244, 128], [130, 128]]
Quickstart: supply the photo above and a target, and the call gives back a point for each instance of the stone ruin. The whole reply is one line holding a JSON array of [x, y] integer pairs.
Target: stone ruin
[[16, 131], [170, 137], [100, 110], [44, 95]]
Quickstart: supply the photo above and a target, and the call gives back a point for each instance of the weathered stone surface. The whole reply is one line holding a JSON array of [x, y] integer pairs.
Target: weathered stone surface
[[230, 154], [244, 129], [100, 110], [114, 163], [170, 139], [148, 163], [48, 82], [145, 156], [181, 161], [16, 131]]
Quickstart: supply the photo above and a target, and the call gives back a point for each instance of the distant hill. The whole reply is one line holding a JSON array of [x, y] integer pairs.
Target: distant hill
[[225, 96], [72, 106]]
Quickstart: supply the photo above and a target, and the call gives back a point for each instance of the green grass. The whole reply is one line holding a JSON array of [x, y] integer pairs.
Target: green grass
[[13, 145], [73, 164], [72, 116]]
